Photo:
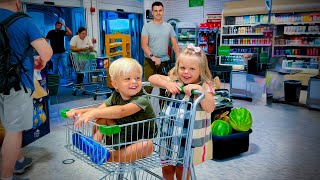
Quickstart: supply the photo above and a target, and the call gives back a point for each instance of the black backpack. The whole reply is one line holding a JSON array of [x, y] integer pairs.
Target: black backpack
[[10, 76]]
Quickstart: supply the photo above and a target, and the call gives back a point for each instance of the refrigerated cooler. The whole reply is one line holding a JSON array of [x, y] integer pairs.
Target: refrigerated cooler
[[186, 33]]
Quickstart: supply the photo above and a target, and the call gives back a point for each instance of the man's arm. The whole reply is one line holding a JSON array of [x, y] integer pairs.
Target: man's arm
[[144, 44], [48, 36], [175, 46], [44, 50], [147, 51], [69, 32], [75, 49]]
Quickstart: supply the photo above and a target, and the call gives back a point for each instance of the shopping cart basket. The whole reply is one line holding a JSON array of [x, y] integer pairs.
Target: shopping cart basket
[[82, 64], [168, 140]]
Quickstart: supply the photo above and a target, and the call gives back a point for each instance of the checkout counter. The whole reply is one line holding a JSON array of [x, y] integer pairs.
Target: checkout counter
[[275, 86]]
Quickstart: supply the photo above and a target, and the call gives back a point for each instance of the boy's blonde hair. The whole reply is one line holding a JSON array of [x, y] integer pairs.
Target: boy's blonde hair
[[190, 50], [123, 66]]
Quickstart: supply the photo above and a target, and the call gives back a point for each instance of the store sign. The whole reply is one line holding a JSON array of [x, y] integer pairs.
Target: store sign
[[224, 50], [214, 18], [195, 3]]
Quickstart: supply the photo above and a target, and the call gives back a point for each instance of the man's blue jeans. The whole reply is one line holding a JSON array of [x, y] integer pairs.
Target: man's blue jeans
[[63, 58]]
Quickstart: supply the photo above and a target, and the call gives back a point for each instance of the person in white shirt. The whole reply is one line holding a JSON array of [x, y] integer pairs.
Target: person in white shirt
[[81, 42]]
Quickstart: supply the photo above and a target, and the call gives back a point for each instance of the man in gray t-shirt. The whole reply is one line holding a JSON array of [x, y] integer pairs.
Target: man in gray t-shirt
[[155, 39]]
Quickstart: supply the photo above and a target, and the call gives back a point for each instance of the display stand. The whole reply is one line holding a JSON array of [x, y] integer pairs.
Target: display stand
[[239, 87], [117, 45], [41, 123], [313, 97]]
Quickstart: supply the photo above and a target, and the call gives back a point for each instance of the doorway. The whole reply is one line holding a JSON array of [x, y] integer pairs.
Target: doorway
[[124, 23]]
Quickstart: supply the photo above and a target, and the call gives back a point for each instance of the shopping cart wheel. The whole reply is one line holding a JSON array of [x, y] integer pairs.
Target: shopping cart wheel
[[74, 92], [95, 97]]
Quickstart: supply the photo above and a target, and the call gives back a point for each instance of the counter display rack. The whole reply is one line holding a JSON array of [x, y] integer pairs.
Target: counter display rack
[[297, 38], [186, 33]]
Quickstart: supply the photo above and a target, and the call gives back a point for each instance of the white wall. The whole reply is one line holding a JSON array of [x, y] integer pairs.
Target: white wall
[[179, 9], [68, 3], [92, 22], [132, 6]]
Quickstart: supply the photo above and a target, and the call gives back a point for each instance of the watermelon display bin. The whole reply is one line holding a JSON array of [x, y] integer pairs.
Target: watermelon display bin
[[226, 145], [230, 145]]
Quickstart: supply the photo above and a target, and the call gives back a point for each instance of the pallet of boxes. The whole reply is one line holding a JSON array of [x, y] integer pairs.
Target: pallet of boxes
[[230, 126]]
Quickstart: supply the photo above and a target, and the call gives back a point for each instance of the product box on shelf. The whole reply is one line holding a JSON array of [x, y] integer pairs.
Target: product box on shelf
[[230, 145], [41, 123]]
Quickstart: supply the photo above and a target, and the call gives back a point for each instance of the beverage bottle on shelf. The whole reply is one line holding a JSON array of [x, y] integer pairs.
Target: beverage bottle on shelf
[[314, 53], [235, 31], [308, 52]]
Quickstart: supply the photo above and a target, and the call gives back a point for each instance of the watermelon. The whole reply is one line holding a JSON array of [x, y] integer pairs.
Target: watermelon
[[240, 119], [221, 128]]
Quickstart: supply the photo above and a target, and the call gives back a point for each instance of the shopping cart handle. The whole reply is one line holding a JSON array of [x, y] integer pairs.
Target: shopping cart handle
[[192, 91], [109, 130], [63, 112], [146, 83]]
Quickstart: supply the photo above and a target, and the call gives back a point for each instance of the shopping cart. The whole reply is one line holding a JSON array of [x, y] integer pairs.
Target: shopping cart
[[84, 63], [168, 140]]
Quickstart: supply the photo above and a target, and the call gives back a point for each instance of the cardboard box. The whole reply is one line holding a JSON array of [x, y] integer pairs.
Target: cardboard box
[[231, 145]]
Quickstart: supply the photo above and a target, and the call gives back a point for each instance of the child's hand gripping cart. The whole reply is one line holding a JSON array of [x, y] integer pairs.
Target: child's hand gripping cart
[[118, 158]]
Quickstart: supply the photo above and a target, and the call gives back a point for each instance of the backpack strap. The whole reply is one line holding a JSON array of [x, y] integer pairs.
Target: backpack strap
[[6, 23], [13, 18]]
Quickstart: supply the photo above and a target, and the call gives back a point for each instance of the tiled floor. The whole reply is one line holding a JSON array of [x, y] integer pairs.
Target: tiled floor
[[284, 145]]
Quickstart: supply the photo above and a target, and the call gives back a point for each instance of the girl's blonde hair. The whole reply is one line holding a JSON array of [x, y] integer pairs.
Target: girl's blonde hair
[[122, 67], [205, 74]]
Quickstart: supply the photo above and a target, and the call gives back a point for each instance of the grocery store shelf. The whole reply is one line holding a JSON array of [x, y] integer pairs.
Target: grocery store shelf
[[298, 23], [245, 44], [115, 44], [297, 45], [186, 39], [239, 25], [302, 33], [115, 54], [239, 54], [248, 34], [302, 56]]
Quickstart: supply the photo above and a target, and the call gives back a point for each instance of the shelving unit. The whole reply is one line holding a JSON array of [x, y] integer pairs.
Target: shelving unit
[[244, 35], [117, 45], [296, 22], [208, 41], [298, 42], [186, 33]]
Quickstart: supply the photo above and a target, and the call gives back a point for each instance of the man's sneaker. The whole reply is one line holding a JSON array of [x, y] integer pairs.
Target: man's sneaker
[[17, 178], [20, 167]]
